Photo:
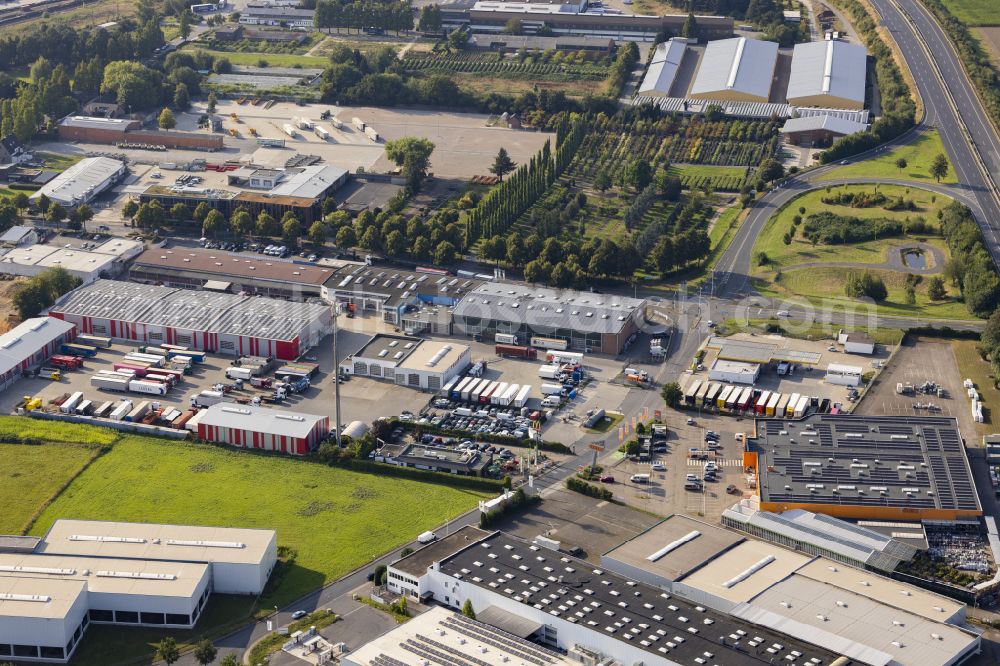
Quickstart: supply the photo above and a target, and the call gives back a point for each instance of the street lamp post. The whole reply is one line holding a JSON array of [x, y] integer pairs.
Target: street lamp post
[[336, 375]]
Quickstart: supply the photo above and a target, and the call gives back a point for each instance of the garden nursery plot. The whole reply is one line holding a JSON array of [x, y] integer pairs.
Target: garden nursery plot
[[550, 65]]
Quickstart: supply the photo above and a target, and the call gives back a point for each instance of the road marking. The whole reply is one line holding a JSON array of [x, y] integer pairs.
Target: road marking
[[718, 463]]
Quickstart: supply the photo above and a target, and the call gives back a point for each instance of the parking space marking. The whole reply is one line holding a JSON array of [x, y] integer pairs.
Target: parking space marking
[[718, 463]]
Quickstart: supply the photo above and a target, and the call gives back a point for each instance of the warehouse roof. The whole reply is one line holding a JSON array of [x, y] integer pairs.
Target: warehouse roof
[[216, 263], [109, 575], [15, 234], [397, 286], [433, 356], [97, 122], [308, 182], [760, 352], [663, 67], [745, 571], [27, 338], [45, 256], [112, 299], [673, 547], [735, 367], [871, 461], [151, 541], [828, 123], [388, 348], [38, 597], [832, 535], [417, 562], [440, 631], [82, 181], [549, 308], [269, 318], [859, 627], [737, 64], [648, 618], [179, 309], [831, 68], [261, 419]]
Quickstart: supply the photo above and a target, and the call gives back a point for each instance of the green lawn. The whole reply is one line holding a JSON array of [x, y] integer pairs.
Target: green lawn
[[57, 161], [972, 366], [706, 170], [974, 12], [31, 475], [273, 59], [336, 520], [918, 155]]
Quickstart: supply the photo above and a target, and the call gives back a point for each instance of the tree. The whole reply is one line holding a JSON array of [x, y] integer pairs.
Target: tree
[[182, 98], [130, 208], [939, 167], [291, 229], [672, 394], [866, 285], [241, 224], [901, 164], [55, 214], [502, 164], [201, 211], [179, 212], [317, 232], [185, 24], [149, 215], [81, 215], [21, 201], [166, 120], [215, 223], [444, 253], [690, 27], [770, 170], [230, 660], [346, 237], [167, 650], [267, 225], [205, 652], [467, 610], [639, 174], [602, 181], [513, 27], [134, 85], [413, 156], [935, 288], [31, 299], [212, 101]]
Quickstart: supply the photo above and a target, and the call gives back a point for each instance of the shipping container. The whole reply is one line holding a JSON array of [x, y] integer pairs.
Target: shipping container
[[140, 371], [691, 391], [549, 343], [93, 340], [478, 390], [498, 393], [208, 398], [516, 351], [193, 356], [78, 350], [289, 130], [322, 133], [336, 123], [505, 338], [70, 403], [304, 123], [470, 387], [801, 407], [792, 402], [109, 383], [744, 400], [84, 408], [155, 351], [239, 373], [121, 411], [137, 412], [358, 125], [66, 361], [182, 420], [720, 400], [522, 397], [147, 387]]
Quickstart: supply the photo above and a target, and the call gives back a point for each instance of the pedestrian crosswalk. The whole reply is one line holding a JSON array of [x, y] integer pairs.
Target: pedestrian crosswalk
[[720, 463]]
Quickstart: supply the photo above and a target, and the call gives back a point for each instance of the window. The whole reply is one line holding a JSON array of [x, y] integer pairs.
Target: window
[[127, 617], [176, 618], [99, 328], [375, 370], [414, 379], [152, 618], [360, 368], [52, 652], [4, 650], [26, 651], [433, 383], [227, 345], [101, 615], [183, 339], [156, 336]]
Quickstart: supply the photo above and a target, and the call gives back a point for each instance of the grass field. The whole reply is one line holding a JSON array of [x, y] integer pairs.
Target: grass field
[[818, 283], [58, 162], [974, 12], [84, 16], [795, 329], [335, 519], [918, 155], [972, 366], [273, 59]]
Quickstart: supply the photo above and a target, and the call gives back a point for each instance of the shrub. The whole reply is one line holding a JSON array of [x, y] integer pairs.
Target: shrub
[[588, 489]]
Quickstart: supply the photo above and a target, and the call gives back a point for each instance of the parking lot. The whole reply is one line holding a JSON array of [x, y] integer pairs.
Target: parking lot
[[917, 361]]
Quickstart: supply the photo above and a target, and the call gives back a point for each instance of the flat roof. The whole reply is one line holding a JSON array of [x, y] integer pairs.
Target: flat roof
[[615, 608], [722, 365], [28, 338], [38, 597], [82, 181], [434, 356], [217, 264], [829, 68], [691, 543], [396, 286], [83, 261], [417, 562], [752, 351], [859, 627], [151, 541], [261, 419], [389, 348], [98, 122], [308, 182], [737, 64], [746, 570], [465, 460], [109, 575], [13, 543], [871, 461], [440, 631]]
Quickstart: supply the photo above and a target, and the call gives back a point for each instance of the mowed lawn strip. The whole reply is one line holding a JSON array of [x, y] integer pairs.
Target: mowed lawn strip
[[972, 366], [336, 520], [918, 155], [974, 12]]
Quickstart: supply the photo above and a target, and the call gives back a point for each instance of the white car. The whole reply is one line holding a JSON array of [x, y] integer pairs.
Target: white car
[[784, 313], [298, 614], [658, 467]]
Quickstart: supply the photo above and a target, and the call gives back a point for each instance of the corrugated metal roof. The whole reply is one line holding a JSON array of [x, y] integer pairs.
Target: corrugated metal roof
[[663, 68], [82, 181], [738, 64], [833, 124], [260, 419], [28, 338], [833, 68]]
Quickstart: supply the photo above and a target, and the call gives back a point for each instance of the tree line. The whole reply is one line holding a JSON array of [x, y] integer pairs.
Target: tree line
[[362, 14]]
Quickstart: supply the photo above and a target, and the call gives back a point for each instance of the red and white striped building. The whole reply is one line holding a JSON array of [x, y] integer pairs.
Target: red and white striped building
[[251, 427], [29, 344], [223, 323]]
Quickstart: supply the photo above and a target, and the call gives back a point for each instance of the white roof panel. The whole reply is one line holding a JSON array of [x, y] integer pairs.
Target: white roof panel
[[833, 68], [739, 65]]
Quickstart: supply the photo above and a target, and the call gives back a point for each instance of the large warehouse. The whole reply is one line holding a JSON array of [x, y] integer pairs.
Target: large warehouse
[[207, 321], [663, 68], [736, 70], [88, 129], [87, 261], [130, 574], [260, 428], [870, 467], [83, 181], [29, 344], [426, 365], [828, 74], [590, 322]]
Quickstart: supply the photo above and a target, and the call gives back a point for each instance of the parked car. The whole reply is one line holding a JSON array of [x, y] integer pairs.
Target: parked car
[[607, 479], [299, 614]]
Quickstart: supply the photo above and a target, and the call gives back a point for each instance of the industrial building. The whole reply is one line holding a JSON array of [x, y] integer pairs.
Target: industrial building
[[30, 344], [857, 614], [261, 428], [663, 68], [843, 375], [818, 534], [465, 462], [95, 129], [864, 467], [589, 322], [88, 261], [856, 342], [736, 70], [819, 130], [132, 574], [82, 182], [399, 295], [734, 372], [829, 74], [290, 17], [763, 353], [18, 235], [425, 365], [213, 322]]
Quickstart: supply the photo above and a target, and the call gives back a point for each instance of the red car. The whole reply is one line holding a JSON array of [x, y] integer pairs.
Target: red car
[[607, 479]]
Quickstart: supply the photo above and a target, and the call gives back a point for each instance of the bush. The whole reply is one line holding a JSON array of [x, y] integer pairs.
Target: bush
[[588, 489], [866, 285], [829, 228]]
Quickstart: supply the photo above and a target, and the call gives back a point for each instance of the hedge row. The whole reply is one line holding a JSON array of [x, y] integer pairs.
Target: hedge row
[[589, 489]]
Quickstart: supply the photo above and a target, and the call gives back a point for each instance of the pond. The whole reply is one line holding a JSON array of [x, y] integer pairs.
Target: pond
[[914, 259]]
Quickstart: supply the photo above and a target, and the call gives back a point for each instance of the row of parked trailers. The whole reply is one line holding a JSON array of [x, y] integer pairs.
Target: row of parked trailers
[[126, 410], [486, 392], [744, 399]]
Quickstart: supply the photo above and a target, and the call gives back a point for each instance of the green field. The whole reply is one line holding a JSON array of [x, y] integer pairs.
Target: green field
[[918, 155], [972, 366], [974, 12], [801, 277], [336, 520], [57, 161], [273, 59]]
